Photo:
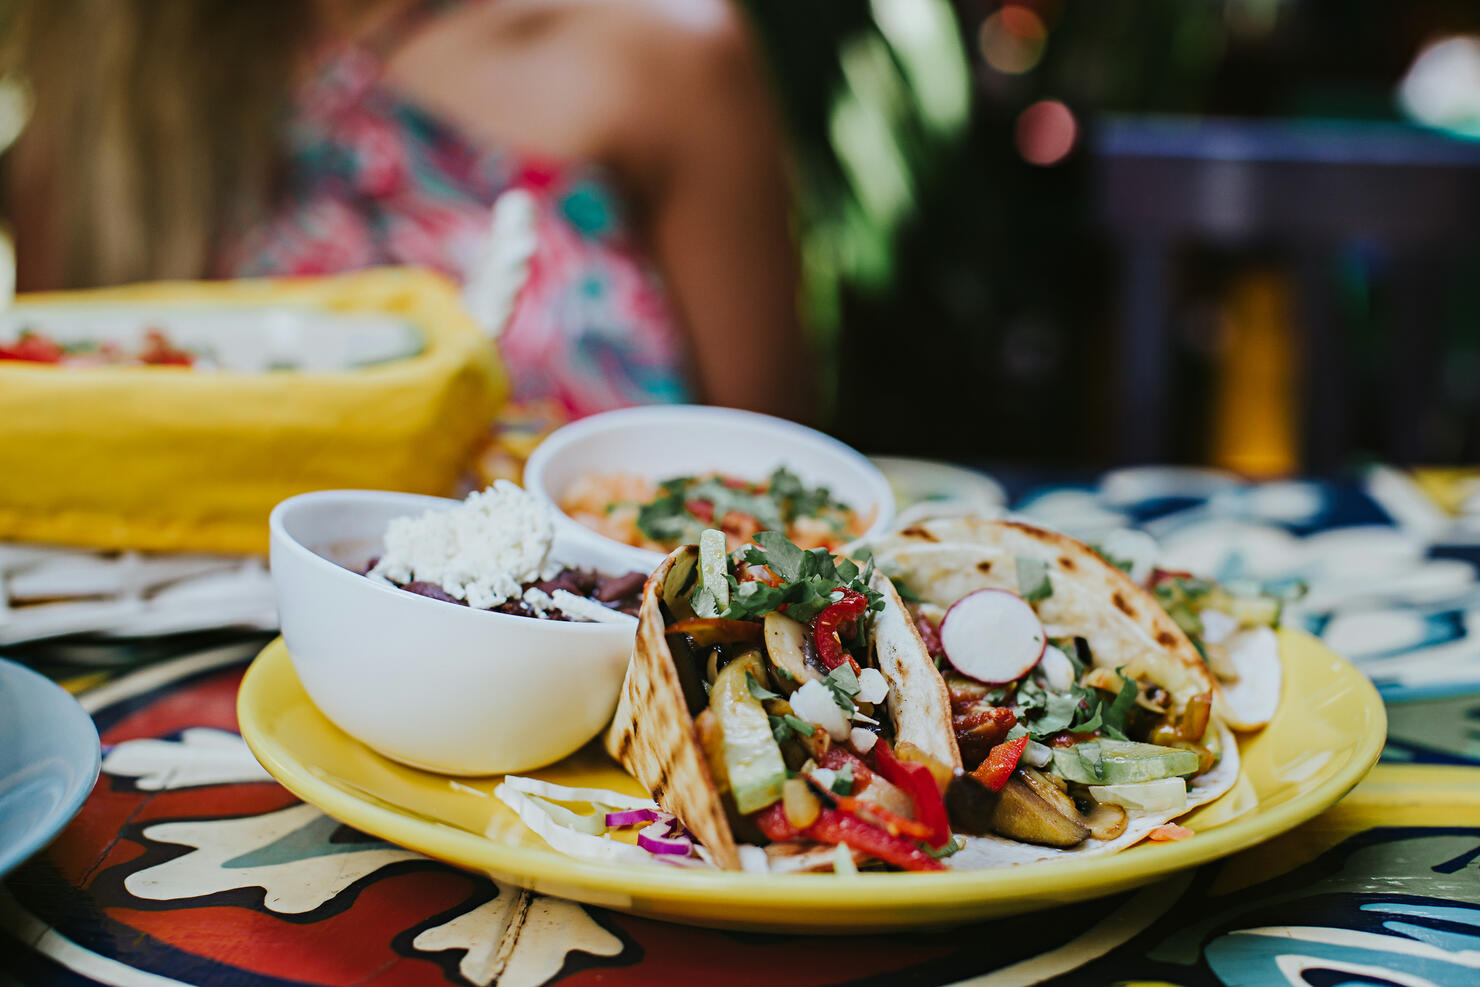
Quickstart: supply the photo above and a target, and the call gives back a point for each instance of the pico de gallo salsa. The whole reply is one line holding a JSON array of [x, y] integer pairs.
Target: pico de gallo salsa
[[662, 515], [32, 346]]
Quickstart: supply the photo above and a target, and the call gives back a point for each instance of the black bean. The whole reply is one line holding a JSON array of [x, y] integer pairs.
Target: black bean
[[613, 588], [432, 590], [586, 579], [563, 580]]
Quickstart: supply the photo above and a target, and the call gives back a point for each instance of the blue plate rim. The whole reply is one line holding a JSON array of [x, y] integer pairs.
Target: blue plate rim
[[18, 853]]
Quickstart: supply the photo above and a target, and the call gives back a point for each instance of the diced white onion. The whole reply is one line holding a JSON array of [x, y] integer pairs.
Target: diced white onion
[[1037, 755], [824, 777], [872, 686], [863, 740], [858, 717], [753, 859], [814, 703], [1057, 669]]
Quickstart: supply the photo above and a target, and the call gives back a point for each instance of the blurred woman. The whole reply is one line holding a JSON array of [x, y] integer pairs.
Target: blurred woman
[[191, 138]]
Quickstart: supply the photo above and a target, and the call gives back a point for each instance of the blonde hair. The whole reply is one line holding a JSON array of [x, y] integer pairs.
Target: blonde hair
[[154, 128]]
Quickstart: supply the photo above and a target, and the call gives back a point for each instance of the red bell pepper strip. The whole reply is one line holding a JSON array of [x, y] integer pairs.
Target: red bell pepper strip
[[836, 826], [833, 826], [701, 509], [890, 822], [774, 825], [32, 348], [838, 758], [918, 782], [825, 629], [1000, 763]]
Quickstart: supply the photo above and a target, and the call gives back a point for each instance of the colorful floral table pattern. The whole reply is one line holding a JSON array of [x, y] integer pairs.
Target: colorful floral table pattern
[[188, 864]]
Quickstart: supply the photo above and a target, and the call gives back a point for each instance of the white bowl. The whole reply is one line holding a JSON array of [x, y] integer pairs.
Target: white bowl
[[662, 441], [425, 682]]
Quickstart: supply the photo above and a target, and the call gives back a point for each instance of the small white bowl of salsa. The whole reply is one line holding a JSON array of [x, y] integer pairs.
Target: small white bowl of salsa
[[644, 480]]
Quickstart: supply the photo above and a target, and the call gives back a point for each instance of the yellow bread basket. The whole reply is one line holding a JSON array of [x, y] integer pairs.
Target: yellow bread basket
[[176, 459]]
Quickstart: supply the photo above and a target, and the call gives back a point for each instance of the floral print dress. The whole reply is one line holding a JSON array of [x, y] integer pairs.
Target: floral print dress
[[372, 179]]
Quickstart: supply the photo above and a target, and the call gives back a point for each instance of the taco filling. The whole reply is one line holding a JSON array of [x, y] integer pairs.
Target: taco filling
[[809, 731], [1073, 695]]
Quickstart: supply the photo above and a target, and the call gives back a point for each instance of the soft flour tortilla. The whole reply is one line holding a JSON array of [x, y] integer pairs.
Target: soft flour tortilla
[[942, 560], [653, 735], [919, 702], [982, 852]]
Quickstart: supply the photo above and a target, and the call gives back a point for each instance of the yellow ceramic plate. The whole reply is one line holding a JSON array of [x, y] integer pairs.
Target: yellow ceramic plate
[[1328, 733]]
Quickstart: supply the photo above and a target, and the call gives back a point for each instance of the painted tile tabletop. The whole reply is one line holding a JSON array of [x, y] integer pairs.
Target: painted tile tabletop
[[188, 864]]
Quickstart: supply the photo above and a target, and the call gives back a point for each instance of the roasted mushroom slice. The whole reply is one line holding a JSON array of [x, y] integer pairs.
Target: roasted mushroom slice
[[1031, 808], [786, 645]]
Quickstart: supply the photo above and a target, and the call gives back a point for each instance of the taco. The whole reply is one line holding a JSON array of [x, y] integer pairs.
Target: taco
[[783, 699], [1074, 694]]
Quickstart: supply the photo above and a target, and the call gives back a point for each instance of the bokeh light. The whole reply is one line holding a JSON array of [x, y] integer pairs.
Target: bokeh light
[[1012, 39], [1046, 132]]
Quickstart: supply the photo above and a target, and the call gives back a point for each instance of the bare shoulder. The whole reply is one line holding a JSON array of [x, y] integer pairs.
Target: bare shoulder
[[577, 78], [625, 28]]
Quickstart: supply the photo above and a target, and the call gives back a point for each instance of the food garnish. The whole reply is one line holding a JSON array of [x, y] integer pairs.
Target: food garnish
[[676, 511]]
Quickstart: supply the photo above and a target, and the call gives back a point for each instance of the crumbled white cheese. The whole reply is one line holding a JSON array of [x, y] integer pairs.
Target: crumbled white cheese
[[481, 551], [1036, 754], [580, 608], [753, 859], [539, 601]]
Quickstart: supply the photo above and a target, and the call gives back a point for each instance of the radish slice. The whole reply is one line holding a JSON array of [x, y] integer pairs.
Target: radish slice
[[993, 636]]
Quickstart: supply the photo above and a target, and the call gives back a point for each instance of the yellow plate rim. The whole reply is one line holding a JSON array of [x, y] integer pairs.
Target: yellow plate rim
[[1085, 877]]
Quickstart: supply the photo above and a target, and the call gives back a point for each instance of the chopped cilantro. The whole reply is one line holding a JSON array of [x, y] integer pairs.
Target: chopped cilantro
[[799, 725], [996, 697], [795, 499], [954, 844], [757, 690], [843, 781], [1079, 710], [704, 603], [786, 726], [1117, 713], [1032, 577], [782, 499], [844, 686], [811, 580]]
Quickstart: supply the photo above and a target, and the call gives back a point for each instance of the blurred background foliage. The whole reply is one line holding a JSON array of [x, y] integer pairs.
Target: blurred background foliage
[[962, 293]]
